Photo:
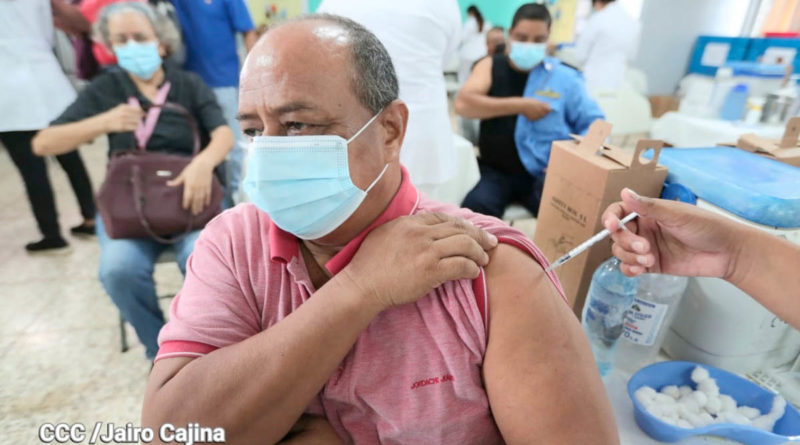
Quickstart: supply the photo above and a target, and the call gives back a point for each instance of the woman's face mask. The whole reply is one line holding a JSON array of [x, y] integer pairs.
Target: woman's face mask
[[140, 59]]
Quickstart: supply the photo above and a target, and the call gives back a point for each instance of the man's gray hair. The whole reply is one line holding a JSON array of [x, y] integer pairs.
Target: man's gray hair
[[165, 30], [374, 78]]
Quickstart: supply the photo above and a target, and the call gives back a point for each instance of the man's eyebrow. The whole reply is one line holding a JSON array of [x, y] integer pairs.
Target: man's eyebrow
[[294, 106], [246, 116], [283, 109]]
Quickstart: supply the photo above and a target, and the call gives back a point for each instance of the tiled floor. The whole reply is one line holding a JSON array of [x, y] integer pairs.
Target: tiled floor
[[59, 337]]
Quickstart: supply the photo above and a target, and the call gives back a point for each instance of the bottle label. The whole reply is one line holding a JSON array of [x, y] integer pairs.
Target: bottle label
[[643, 321]]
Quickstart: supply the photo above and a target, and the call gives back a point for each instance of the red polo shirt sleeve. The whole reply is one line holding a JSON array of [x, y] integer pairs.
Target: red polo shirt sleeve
[[212, 310]]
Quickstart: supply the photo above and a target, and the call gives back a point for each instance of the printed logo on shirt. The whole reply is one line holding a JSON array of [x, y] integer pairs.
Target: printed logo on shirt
[[433, 381], [548, 93]]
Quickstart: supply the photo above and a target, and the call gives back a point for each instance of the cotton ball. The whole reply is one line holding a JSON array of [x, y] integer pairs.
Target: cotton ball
[[778, 408], [700, 397], [672, 420], [669, 409], [685, 390], [765, 422], [671, 391], [663, 399], [737, 418], [706, 419], [749, 412], [713, 405], [644, 393], [698, 420], [689, 405], [685, 412], [699, 374], [709, 387], [653, 408], [733, 417], [728, 404], [683, 423]]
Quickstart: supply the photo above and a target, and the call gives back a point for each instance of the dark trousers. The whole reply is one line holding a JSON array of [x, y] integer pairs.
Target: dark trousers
[[497, 190], [37, 184]]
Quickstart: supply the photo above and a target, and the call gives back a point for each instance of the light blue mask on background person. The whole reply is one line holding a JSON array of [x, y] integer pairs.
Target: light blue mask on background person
[[140, 59], [303, 182], [526, 55]]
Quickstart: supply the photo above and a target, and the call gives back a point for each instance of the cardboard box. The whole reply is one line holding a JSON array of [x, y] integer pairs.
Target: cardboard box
[[785, 150], [584, 176], [660, 105]]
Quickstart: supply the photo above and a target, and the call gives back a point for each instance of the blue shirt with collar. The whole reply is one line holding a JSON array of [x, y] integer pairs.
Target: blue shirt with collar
[[563, 88], [209, 33]]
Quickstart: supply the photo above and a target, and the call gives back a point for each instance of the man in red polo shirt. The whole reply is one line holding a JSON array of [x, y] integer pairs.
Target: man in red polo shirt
[[342, 305]]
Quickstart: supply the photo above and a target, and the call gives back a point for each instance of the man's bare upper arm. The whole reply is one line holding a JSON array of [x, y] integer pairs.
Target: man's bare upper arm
[[538, 370], [478, 82]]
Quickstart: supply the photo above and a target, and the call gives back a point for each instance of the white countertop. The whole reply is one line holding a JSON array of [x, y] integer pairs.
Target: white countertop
[[685, 131]]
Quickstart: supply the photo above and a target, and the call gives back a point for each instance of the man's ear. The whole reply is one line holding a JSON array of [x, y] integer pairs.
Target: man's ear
[[162, 50], [394, 122]]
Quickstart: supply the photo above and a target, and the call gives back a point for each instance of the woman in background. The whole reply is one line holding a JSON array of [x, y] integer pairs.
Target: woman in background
[[473, 42], [34, 91], [473, 48], [140, 38]]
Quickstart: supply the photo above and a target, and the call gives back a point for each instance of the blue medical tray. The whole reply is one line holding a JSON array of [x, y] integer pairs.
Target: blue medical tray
[[751, 186]]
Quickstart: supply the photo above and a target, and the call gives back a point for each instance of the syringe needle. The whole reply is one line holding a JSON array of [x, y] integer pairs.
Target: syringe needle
[[599, 236]]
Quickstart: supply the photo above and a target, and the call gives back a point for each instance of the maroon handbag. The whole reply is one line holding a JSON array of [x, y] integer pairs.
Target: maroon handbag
[[135, 200]]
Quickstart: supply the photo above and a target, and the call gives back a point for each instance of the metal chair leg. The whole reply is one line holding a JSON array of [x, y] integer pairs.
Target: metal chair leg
[[123, 335]]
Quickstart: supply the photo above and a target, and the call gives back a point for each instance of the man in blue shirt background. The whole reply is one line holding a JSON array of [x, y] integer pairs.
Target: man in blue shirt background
[[572, 110], [209, 34], [525, 101], [562, 87]]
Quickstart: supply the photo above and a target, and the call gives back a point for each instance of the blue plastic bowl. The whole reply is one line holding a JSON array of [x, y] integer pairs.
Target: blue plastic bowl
[[745, 392]]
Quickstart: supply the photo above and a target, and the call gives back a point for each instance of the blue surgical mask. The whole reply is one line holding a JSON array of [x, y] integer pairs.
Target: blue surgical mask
[[527, 55], [303, 182], [140, 59]]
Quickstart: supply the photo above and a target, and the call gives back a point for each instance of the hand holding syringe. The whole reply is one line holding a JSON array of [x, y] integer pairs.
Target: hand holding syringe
[[590, 242]]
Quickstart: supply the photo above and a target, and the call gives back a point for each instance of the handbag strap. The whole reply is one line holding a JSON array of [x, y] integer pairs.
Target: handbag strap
[[192, 124], [145, 128], [139, 201]]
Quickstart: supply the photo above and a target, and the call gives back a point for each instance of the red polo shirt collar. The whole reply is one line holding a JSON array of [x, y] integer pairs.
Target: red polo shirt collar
[[284, 246]]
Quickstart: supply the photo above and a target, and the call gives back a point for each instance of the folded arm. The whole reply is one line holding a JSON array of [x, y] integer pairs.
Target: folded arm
[[60, 139], [261, 386], [542, 381]]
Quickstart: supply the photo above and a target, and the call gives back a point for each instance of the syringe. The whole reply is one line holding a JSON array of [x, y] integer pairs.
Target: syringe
[[589, 243]]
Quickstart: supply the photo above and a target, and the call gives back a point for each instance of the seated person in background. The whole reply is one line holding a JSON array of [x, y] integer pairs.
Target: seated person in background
[[342, 304], [495, 41], [141, 39], [562, 88], [493, 93]]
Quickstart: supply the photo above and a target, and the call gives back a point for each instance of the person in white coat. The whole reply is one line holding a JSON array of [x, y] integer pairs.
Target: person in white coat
[[473, 42], [607, 44], [34, 91], [421, 36]]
